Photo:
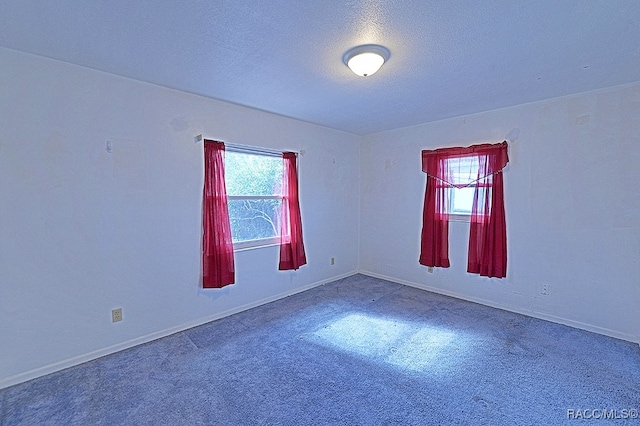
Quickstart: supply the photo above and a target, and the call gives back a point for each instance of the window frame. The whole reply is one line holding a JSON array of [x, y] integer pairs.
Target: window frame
[[460, 216], [258, 242], [264, 152]]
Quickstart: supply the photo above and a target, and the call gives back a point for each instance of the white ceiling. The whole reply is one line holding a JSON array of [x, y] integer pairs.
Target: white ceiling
[[448, 57]]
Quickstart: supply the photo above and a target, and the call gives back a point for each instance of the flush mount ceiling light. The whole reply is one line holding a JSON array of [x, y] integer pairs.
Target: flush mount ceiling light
[[365, 60]]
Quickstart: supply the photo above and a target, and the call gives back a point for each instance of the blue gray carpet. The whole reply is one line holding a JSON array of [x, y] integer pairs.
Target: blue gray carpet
[[358, 351]]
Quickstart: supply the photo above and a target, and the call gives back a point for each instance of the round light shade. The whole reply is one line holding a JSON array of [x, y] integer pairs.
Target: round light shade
[[365, 60]]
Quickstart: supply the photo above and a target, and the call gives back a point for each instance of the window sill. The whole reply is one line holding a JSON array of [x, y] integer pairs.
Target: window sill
[[255, 244], [460, 218]]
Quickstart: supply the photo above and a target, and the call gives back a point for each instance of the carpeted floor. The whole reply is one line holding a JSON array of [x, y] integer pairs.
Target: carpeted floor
[[359, 351]]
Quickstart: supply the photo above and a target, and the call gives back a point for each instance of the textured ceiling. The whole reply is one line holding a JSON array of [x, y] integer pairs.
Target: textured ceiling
[[448, 57]]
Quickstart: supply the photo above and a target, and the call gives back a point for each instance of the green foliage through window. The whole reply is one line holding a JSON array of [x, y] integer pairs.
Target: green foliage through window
[[254, 190]]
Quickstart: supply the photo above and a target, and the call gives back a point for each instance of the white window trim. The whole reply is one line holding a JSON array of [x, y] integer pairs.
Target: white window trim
[[254, 150], [254, 244], [458, 217]]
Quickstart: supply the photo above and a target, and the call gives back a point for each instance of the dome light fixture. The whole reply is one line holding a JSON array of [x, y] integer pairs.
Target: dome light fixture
[[367, 59]]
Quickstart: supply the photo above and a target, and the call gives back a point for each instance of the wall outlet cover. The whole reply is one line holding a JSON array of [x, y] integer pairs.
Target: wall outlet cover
[[116, 315]]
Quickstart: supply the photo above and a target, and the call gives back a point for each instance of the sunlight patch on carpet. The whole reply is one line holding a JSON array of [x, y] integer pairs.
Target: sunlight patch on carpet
[[411, 346]]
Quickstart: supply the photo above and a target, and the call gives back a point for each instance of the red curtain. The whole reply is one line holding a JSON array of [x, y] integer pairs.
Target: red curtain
[[488, 230], [292, 254], [217, 246], [435, 220], [488, 236]]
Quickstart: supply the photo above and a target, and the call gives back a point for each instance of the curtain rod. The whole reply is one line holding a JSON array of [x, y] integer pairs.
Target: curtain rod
[[240, 147]]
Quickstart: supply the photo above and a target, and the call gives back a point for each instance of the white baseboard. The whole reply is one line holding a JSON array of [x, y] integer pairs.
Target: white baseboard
[[70, 362], [510, 308]]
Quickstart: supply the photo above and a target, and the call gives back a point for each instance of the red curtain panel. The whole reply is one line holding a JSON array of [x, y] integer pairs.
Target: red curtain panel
[[292, 254], [217, 246], [435, 220], [488, 229]]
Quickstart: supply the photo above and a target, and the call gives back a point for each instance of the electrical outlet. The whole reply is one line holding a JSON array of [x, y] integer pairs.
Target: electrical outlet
[[333, 260], [116, 315], [545, 289], [430, 269]]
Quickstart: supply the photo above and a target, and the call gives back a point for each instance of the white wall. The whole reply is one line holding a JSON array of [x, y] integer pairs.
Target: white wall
[[83, 231], [572, 205]]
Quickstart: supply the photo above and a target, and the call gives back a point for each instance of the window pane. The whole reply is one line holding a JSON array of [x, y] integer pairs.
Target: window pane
[[254, 219], [252, 174], [462, 200], [463, 170]]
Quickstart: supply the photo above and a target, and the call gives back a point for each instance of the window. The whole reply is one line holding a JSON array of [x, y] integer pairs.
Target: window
[[463, 173], [254, 202], [254, 193], [452, 173]]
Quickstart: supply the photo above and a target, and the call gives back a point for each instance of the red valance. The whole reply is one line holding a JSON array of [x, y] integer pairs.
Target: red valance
[[495, 153]]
